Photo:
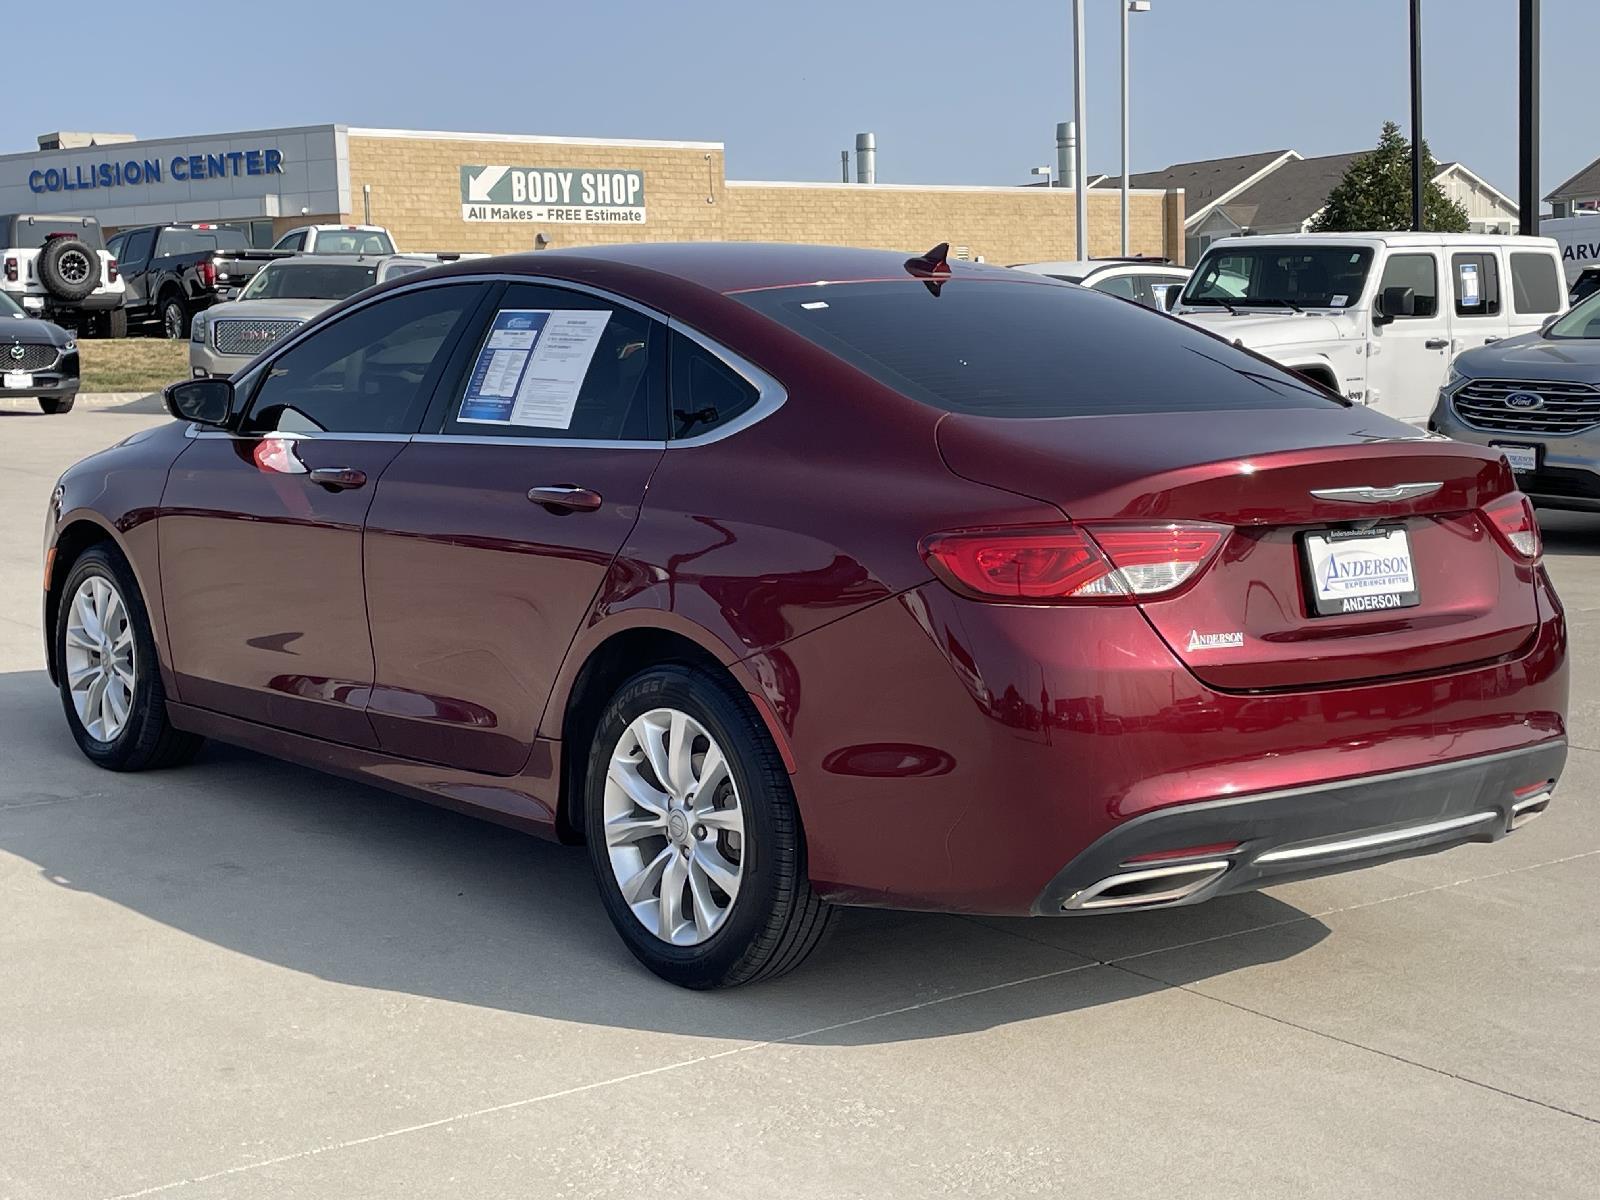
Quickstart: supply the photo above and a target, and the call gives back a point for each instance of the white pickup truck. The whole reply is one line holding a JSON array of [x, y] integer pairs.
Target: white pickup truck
[[1377, 317]]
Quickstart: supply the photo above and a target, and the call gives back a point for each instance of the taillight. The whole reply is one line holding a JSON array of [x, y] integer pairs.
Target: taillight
[[11, 268], [207, 272], [111, 270], [1073, 564], [1511, 517]]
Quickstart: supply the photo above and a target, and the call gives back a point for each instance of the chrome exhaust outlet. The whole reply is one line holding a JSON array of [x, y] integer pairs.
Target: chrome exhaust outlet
[[1526, 810], [1148, 888]]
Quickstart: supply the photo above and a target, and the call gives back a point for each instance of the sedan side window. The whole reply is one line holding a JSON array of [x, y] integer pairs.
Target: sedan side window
[[369, 372], [1125, 286], [564, 366], [706, 392]]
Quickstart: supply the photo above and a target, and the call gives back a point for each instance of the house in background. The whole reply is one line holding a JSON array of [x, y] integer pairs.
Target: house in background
[[1579, 195], [1281, 191]]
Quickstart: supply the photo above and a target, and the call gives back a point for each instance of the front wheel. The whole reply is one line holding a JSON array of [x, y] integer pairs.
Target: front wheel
[[106, 664], [58, 404], [694, 834]]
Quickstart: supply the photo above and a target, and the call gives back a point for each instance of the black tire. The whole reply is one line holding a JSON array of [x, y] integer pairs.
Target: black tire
[[777, 920], [174, 317], [69, 268], [115, 326], [58, 404], [148, 739]]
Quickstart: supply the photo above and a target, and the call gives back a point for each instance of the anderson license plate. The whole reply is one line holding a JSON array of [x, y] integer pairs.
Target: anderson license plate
[[1360, 570], [1521, 458]]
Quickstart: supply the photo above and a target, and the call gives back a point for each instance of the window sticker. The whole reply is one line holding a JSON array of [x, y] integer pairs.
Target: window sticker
[[1339, 301], [532, 367], [1469, 285]]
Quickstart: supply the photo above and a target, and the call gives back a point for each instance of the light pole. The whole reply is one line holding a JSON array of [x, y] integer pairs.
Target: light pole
[[1132, 6], [1049, 174], [1080, 169], [1528, 116], [1416, 115]]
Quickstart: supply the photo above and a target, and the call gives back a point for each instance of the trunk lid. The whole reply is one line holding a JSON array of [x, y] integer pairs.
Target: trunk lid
[[1248, 622]]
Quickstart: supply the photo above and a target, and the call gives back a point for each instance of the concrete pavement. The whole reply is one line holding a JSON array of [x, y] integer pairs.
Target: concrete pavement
[[244, 979]]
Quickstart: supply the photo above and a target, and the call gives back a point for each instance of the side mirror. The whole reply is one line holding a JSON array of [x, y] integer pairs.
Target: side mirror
[[1166, 295], [203, 401], [1394, 302], [1544, 326]]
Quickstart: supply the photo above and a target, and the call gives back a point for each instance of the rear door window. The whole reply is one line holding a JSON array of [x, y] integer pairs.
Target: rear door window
[[1535, 283], [561, 365], [706, 392], [1476, 280], [1420, 273], [1002, 349], [1124, 286]]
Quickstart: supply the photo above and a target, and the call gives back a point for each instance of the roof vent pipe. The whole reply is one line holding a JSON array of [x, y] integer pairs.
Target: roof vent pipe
[[1066, 154], [866, 158]]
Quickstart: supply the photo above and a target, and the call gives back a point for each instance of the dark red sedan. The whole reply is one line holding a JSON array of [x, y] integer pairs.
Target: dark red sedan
[[790, 577]]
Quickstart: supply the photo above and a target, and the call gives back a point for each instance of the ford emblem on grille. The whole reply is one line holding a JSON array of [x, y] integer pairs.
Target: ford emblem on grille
[[17, 352], [1524, 400]]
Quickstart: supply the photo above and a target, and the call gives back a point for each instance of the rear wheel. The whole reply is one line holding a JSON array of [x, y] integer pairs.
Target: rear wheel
[[694, 834], [106, 662], [117, 323], [174, 317], [58, 404]]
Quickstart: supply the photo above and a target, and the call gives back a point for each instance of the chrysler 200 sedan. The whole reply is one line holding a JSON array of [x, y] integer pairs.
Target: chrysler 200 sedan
[[787, 578]]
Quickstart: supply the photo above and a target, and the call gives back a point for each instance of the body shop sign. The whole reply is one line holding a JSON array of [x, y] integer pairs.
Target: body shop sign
[[552, 194]]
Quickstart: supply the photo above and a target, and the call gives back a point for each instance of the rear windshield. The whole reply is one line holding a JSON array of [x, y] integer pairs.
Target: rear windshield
[[996, 349], [304, 281], [32, 232], [353, 241]]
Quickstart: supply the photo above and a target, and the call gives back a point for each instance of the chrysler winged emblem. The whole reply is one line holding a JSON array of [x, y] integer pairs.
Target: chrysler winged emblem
[[1377, 495]]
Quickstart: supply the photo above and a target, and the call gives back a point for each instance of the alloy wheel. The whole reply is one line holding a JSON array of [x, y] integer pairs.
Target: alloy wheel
[[100, 664], [674, 826]]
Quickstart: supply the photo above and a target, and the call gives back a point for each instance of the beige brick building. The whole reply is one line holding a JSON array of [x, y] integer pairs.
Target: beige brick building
[[502, 192]]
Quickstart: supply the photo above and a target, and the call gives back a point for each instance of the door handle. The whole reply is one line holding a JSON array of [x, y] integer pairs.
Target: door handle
[[565, 497], [1490, 338], [1437, 343], [338, 479]]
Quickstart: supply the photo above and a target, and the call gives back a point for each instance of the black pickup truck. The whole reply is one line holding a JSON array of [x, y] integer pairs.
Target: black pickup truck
[[175, 271]]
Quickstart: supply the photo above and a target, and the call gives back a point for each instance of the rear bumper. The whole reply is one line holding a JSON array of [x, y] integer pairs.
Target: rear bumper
[[1275, 837]]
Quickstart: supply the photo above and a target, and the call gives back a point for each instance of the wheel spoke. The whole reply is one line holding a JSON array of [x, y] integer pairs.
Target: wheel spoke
[[680, 746], [651, 737], [729, 819], [626, 776], [723, 873], [109, 724], [672, 880], [79, 639], [713, 769], [707, 916], [78, 680], [622, 830], [637, 887], [88, 618]]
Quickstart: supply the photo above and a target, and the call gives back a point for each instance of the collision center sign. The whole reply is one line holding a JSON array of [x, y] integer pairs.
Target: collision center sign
[[552, 194]]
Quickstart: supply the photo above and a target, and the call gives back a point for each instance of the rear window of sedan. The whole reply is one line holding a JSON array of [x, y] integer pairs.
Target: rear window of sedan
[[1003, 349]]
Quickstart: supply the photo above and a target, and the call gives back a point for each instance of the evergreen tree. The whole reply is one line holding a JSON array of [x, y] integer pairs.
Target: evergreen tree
[[1375, 192]]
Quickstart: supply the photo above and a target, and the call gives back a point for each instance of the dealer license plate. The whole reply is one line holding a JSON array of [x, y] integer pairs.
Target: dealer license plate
[[18, 379], [1522, 458], [1360, 570]]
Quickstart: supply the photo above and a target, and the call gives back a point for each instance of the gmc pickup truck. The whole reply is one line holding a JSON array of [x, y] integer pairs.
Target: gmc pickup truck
[[174, 271]]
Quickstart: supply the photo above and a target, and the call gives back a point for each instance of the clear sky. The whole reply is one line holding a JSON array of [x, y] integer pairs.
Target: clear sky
[[957, 92]]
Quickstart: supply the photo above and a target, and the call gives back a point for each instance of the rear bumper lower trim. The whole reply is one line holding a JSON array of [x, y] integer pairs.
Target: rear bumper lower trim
[[1375, 841]]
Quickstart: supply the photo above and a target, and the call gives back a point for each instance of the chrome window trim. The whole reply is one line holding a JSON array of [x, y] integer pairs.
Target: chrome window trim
[[203, 434], [770, 394]]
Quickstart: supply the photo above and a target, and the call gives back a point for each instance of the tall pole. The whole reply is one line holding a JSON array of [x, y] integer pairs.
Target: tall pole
[[1124, 6], [1528, 119], [1416, 115], [1080, 170]]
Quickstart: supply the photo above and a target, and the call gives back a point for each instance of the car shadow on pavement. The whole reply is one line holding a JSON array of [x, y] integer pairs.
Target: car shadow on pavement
[[1568, 532], [351, 884]]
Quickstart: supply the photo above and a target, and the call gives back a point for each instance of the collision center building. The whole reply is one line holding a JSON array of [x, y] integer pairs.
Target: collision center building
[[502, 193]]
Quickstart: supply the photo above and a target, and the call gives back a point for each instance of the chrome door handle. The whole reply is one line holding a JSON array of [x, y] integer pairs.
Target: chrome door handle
[[565, 497], [1437, 343], [338, 479]]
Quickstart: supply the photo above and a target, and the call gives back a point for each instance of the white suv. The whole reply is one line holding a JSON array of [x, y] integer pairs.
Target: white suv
[[57, 268], [1145, 281], [1376, 317]]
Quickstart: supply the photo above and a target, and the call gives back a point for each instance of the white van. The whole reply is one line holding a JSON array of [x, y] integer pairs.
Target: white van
[[1579, 239], [1376, 317]]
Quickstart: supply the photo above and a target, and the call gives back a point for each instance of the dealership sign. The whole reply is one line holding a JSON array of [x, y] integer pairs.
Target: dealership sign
[[113, 173], [552, 194]]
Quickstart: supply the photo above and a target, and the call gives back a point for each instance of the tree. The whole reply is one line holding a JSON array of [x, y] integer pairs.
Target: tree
[[1375, 192]]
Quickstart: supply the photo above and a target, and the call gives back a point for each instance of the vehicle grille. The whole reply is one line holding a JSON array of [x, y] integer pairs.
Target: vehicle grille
[[21, 356], [1568, 407], [241, 335]]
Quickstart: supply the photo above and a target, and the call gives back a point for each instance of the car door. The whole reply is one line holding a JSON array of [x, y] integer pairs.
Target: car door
[[260, 530], [1536, 287], [490, 535], [1411, 353], [132, 264], [1478, 314]]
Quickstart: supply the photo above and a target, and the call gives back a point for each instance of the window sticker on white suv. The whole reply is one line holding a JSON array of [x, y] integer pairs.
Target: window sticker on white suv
[[532, 366]]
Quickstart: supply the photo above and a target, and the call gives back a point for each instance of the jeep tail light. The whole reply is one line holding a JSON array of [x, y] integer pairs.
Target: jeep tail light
[[111, 270], [1073, 564], [11, 268], [1511, 517], [207, 271]]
